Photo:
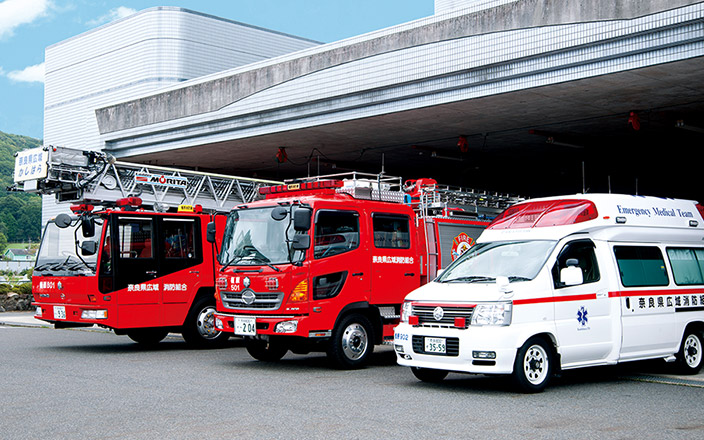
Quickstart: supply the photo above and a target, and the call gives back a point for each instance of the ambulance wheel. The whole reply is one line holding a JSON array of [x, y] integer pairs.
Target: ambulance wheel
[[265, 351], [689, 358], [533, 367], [429, 375], [199, 328], [147, 336], [351, 342]]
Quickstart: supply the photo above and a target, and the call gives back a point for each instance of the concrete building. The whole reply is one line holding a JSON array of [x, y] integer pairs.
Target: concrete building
[[530, 96]]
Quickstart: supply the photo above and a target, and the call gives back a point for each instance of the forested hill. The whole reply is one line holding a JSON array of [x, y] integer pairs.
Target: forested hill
[[20, 214]]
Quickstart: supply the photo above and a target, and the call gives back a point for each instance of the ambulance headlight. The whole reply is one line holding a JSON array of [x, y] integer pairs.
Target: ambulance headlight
[[286, 327], [406, 310], [492, 314]]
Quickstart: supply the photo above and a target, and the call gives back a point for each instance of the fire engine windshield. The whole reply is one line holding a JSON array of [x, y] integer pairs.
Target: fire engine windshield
[[484, 262], [60, 251], [253, 237]]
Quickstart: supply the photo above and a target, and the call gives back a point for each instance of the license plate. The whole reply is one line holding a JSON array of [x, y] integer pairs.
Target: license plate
[[245, 326], [59, 312], [435, 345]]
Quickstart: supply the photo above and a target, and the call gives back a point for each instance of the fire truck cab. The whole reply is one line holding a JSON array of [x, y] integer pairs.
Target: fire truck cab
[[323, 264]]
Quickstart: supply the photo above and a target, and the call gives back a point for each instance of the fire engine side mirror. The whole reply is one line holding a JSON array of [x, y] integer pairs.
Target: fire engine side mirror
[[300, 242], [62, 221], [210, 232], [88, 226], [89, 247], [301, 219], [279, 213], [572, 274]]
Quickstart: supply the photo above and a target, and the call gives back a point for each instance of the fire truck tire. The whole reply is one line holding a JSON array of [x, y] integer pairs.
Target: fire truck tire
[[265, 351], [533, 367], [352, 342], [689, 358], [199, 328], [147, 336], [429, 375]]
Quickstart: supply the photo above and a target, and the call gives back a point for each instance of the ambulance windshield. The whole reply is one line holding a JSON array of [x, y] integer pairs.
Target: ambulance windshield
[[516, 260], [255, 237], [60, 253]]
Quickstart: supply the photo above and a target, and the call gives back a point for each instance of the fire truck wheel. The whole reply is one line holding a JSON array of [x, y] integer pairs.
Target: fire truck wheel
[[430, 375], [533, 367], [147, 336], [199, 328], [351, 342], [689, 358], [265, 351]]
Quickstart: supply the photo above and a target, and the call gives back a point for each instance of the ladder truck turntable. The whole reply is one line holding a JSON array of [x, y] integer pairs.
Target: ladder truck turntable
[[125, 260], [324, 263]]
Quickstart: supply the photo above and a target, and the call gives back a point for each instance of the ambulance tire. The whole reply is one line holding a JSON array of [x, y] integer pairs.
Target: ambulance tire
[[429, 375], [352, 342], [265, 351], [533, 366], [147, 337], [689, 358], [199, 328]]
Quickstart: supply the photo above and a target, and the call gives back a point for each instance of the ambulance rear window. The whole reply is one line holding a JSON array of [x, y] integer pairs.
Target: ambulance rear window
[[545, 213], [641, 266]]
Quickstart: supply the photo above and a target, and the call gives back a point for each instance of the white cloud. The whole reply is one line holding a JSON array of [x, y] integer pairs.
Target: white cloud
[[28, 74], [14, 13], [112, 15]]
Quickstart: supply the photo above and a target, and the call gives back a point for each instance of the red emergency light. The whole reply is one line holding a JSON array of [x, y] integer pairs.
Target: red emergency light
[[301, 186], [545, 213], [134, 202], [84, 207]]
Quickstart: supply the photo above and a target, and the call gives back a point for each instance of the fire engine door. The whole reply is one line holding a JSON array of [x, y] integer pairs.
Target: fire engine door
[[340, 269], [395, 263], [136, 265]]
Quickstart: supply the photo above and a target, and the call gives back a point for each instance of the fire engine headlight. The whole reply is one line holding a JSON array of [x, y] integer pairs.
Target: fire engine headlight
[[218, 324], [492, 314], [286, 327], [94, 314], [406, 309], [38, 312]]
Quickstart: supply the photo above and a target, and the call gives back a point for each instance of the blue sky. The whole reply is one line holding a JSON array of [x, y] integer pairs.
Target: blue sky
[[27, 27]]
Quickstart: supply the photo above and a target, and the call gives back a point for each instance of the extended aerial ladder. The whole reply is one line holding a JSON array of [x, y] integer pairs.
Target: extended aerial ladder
[[95, 177]]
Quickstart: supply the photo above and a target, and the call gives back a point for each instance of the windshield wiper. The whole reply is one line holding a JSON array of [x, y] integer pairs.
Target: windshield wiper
[[518, 278], [264, 260], [470, 279]]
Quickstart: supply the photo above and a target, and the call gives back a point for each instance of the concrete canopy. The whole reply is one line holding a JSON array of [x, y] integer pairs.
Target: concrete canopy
[[551, 117]]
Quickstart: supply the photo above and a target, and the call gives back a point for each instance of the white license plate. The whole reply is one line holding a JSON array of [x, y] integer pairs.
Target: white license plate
[[59, 312], [245, 326], [435, 345]]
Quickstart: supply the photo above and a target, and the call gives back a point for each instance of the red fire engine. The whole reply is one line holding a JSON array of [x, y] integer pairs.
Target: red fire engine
[[323, 264], [124, 260]]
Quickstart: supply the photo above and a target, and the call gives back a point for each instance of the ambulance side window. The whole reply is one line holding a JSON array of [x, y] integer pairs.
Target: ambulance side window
[[336, 232], [583, 252], [391, 231], [687, 265], [641, 266]]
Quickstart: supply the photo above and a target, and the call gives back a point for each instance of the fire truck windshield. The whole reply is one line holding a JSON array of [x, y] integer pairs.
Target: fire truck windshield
[[60, 253], [484, 262], [255, 237]]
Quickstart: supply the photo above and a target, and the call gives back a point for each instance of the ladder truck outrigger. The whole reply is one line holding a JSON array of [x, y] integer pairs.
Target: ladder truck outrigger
[[324, 263], [133, 256]]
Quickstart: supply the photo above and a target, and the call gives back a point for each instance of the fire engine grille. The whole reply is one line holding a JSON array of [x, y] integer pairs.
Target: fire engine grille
[[262, 301], [452, 346], [426, 315]]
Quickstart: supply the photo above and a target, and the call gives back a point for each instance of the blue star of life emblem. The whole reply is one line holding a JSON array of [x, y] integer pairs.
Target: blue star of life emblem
[[582, 316]]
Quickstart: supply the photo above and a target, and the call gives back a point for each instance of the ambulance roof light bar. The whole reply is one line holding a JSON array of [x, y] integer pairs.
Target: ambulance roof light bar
[[545, 213]]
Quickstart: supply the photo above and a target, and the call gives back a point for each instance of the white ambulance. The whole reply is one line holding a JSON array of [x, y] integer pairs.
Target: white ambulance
[[561, 283]]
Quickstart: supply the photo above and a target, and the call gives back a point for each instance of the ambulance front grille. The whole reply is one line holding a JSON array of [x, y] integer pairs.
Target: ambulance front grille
[[426, 315], [262, 301]]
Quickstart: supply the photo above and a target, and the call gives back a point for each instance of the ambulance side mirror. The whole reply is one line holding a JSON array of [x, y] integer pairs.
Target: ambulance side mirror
[[572, 274], [302, 219], [210, 232]]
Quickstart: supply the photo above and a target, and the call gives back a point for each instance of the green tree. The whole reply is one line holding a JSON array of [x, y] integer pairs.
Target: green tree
[[3, 243]]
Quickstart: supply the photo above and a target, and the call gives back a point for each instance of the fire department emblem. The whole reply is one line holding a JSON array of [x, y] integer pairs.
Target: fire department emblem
[[438, 313], [460, 245], [246, 282]]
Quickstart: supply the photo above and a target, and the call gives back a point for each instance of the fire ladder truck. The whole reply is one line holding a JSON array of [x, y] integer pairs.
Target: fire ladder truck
[[323, 264], [133, 256]]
